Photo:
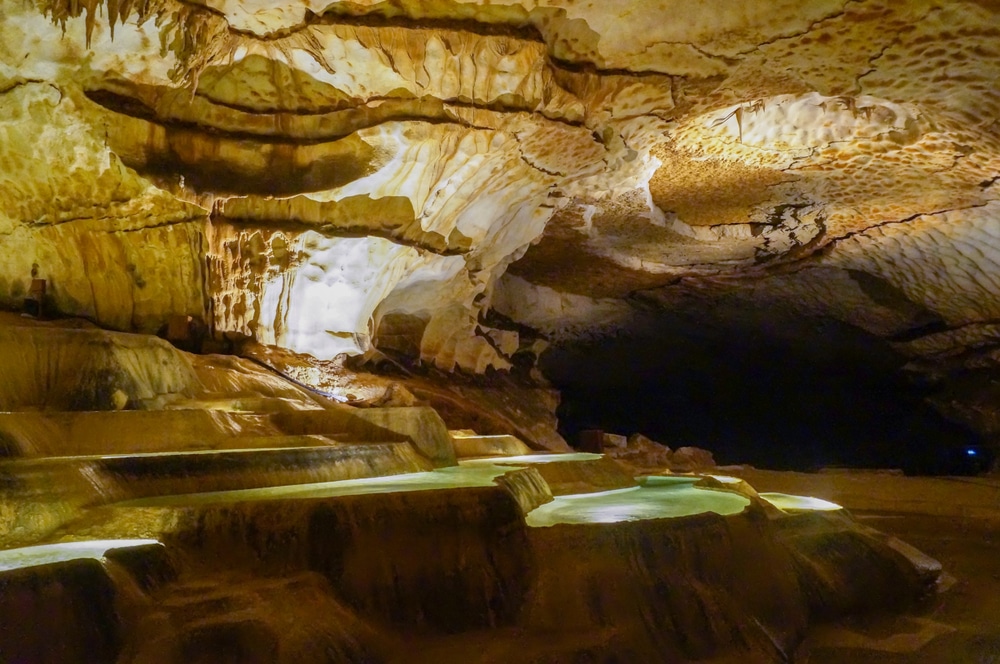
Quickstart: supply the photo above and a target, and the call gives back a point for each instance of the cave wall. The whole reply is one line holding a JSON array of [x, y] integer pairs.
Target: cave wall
[[323, 179], [320, 175]]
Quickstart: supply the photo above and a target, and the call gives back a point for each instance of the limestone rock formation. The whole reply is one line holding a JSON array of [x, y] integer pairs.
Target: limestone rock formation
[[454, 184], [323, 176], [159, 506]]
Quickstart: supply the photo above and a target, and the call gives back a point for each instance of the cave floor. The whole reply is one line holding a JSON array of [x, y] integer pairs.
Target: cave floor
[[961, 530], [961, 624]]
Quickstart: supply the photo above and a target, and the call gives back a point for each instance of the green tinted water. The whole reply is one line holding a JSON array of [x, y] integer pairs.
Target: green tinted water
[[45, 554], [657, 498]]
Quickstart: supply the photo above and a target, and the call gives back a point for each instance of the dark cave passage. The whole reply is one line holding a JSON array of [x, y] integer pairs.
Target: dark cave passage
[[773, 392]]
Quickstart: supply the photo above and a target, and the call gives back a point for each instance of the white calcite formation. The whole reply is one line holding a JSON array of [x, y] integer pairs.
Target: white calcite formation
[[334, 177]]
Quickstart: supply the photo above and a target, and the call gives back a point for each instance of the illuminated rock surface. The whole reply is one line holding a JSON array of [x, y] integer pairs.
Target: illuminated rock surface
[[452, 551], [238, 515], [312, 174], [345, 192]]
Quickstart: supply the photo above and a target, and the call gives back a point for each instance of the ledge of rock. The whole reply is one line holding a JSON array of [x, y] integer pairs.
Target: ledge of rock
[[397, 257]]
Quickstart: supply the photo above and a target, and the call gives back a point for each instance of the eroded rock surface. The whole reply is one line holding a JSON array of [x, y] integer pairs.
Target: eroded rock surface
[[217, 511], [331, 177], [418, 179]]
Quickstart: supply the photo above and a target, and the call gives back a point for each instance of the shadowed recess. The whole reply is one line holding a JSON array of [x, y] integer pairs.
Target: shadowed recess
[[761, 388]]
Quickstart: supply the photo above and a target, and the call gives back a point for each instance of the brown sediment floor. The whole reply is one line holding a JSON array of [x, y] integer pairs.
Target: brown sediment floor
[[955, 520]]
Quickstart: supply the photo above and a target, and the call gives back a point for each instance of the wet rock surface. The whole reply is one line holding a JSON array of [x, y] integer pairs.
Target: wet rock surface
[[246, 518], [265, 576], [399, 206]]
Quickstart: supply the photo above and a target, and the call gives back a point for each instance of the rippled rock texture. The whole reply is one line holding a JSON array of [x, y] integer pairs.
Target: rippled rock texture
[[332, 177]]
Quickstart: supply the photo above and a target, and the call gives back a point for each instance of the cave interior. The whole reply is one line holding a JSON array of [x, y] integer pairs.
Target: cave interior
[[512, 331]]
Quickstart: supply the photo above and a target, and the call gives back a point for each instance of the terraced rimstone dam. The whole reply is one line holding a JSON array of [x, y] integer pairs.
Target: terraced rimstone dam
[[511, 331], [444, 551], [357, 543]]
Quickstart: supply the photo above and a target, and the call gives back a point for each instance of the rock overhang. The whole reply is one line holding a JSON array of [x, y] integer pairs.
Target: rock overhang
[[552, 160]]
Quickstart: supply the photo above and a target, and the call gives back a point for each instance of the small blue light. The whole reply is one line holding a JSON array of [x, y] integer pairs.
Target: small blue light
[[971, 452]]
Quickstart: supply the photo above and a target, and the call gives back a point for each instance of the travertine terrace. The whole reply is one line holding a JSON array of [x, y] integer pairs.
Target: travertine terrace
[[372, 222]]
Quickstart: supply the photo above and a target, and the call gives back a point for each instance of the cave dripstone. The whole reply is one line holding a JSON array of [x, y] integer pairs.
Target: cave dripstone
[[305, 174], [401, 226]]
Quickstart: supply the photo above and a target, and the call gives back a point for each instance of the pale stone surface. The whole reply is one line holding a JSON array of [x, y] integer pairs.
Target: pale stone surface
[[960, 284], [80, 367], [642, 453], [554, 312], [469, 444], [315, 173], [111, 246]]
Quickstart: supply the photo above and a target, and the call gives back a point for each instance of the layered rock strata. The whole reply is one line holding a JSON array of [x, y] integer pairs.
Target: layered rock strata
[[324, 177]]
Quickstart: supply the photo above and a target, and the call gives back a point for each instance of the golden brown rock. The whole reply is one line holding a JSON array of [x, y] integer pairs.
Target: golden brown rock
[[425, 147]]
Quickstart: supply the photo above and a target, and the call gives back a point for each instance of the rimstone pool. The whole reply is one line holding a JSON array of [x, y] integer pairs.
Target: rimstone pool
[[522, 546], [46, 554], [656, 497]]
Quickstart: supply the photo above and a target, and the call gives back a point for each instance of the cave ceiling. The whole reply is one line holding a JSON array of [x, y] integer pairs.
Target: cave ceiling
[[331, 177]]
